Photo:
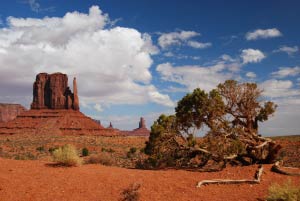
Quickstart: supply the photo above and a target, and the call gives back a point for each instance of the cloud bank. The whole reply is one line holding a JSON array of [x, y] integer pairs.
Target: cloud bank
[[111, 65]]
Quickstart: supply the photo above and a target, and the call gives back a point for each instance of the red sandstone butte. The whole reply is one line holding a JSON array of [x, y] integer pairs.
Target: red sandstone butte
[[51, 91], [54, 111], [140, 131], [9, 112]]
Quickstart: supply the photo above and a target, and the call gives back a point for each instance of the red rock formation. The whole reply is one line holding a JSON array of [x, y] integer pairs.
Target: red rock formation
[[110, 126], [54, 111], [75, 95], [140, 131], [52, 92], [54, 122], [9, 112], [142, 123]]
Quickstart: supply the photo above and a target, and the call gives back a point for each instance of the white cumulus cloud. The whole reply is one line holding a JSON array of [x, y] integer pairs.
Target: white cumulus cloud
[[251, 75], [263, 34], [198, 45], [279, 88], [181, 38], [112, 66], [192, 77], [98, 107], [252, 56], [286, 71], [289, 50]]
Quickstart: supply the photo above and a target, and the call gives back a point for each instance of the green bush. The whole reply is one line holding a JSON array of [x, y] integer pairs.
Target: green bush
[[40, 149], [66, 155], [85, 152], [285, 192], [131, 152]]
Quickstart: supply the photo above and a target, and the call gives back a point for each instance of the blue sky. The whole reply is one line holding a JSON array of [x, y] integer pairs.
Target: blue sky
[[138, 58]]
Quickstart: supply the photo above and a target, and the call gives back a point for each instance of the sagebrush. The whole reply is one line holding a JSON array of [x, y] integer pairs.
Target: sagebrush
[[67, 156], [284, 192]]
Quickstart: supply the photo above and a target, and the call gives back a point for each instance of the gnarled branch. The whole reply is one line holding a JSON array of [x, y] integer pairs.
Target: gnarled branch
[[256, 180]]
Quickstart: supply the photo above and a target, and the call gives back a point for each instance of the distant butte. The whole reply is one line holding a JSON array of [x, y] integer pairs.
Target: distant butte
[[55, 110], [9, 111], [140, 131]]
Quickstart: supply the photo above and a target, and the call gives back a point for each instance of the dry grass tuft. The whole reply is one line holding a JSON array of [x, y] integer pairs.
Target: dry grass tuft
[[67, 156], [285, 192]]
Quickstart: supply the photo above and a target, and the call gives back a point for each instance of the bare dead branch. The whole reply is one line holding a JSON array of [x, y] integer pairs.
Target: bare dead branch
[[256, 180], [278, 169]]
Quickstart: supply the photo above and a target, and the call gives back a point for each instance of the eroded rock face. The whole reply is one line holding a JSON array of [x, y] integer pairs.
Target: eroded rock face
[[51, 91], [140, 131], [142, 123], [9, 112]]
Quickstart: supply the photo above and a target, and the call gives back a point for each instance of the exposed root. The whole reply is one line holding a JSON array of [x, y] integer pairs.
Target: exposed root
[[278, 169], [256, 180]]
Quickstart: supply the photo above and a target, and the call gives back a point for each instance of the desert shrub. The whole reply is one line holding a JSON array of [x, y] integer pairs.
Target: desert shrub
[[131, 193], [142, 150], [110, 150], [103, 158], [85, 152], [40, 149], [285, 192], [131, 152], [66, 155], [52, 149]]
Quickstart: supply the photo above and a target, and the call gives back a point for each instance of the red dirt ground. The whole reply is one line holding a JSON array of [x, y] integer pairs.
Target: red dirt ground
[[37, 180]]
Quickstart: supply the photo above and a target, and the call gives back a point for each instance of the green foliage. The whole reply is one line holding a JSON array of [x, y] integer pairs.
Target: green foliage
[[164, 141], [199, 108], [40, 149], [131, 152], [285, 192], [67, 156], [231, 112], [85, 152]]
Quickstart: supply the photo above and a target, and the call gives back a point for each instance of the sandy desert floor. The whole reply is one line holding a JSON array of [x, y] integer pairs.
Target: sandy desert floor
[[39, 180]]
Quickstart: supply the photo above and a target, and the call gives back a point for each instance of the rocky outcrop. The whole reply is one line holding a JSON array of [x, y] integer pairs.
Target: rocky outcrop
[[9, 112], [142, 123], [54, 122], [51, 91], [140, 131], [54, 111]]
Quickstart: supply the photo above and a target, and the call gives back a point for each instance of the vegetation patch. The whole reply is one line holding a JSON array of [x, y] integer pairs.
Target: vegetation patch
[[67, 156], [285, 192]]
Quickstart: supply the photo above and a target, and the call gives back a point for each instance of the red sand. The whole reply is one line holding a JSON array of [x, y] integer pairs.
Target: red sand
[[37, 180]]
